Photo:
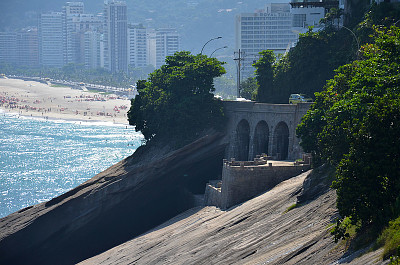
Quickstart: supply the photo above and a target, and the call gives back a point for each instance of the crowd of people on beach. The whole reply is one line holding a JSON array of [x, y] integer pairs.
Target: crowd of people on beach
[[21, 104]]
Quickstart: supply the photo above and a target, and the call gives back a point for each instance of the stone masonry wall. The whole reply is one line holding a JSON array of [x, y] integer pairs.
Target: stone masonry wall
[[243, 180], [212, 195], [272, 114], [242, 183]]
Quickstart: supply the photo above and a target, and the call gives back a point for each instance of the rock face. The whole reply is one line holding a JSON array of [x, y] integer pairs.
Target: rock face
[[118, 204], [107, 219], [259, 231]]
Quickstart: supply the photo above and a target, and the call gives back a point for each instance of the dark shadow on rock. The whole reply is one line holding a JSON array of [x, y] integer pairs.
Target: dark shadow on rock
[[318, 182]]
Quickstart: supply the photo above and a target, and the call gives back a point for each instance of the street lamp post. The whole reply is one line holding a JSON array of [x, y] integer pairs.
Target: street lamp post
[[358, 43], [217, 50], [239, 60], [208, 42]]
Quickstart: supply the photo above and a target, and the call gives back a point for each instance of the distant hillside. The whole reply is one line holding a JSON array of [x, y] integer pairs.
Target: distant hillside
[[196, 20]]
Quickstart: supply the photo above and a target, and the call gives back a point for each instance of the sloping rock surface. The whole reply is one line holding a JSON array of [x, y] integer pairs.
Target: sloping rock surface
[[124, 201], [256, 232], [259, 231]]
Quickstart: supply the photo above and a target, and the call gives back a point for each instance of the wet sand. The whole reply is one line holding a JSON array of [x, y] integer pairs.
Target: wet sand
[[30, 98]]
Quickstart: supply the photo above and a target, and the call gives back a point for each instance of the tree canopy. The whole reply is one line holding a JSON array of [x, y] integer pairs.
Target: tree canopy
[[355, 125], [265, 77], [248, 88], [306, 67], [176, 100]]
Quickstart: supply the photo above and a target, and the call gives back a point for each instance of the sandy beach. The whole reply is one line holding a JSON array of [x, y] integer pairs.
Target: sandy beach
[[30, 98]]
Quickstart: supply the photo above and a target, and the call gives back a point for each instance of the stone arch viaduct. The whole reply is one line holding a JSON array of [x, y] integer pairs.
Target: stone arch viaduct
[[256, 128]]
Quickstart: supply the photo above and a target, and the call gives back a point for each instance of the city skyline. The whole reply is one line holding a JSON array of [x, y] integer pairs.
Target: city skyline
[[104, 40]]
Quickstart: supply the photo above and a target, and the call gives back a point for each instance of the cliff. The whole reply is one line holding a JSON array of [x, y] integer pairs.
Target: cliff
[[140, 211], [124, 201], [259, 231]]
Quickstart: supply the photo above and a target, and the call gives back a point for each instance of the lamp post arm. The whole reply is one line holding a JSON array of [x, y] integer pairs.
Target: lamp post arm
[[208, 42], [358, 43], [217, 50]]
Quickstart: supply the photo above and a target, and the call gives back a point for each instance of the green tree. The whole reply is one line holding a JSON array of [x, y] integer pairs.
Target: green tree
[[265, 77], [248, 88], [176, 101], [355, 125], [306, 67]]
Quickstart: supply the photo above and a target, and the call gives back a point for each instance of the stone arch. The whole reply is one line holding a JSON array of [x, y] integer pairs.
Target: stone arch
[[281, 137], [261, 138], [242, 140]]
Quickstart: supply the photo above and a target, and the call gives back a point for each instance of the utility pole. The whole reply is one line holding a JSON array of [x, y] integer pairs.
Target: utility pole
[[238, 60]]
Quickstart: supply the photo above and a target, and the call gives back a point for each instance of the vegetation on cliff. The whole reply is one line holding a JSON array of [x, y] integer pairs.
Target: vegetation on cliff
[[300, 70], [307, 66], [355, 126], [176, 100]]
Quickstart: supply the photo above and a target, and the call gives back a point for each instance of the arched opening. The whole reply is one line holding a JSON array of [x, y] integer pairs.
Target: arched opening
[[242, 140], [281, 141], [261, 138]]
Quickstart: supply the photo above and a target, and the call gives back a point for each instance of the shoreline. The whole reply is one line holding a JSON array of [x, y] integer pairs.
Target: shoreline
[[34, 99], [65, 119]]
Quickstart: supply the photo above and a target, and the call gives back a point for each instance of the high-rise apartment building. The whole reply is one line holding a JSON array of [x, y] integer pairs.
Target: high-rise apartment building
[[115, 36], [28, 47], [267, 29], [50, 39], [20, 48], [167, 43], [137, 46], [92, 49], [70, 29], [306, 14], [8, 47]]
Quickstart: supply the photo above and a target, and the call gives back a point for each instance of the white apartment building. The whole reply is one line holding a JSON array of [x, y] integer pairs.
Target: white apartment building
[[137, 46], [8, 47], [70, 21], [267, 29], [75, 25], [20, 48], [309, 14], [115, 36], [50, 39], [167, 43], [28, 47], [92, 49]]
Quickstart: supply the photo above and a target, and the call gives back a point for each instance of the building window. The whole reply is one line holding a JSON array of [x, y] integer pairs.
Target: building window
[[299, 20]]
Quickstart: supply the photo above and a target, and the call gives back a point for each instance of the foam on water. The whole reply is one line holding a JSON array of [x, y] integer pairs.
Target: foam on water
[[41, 159]]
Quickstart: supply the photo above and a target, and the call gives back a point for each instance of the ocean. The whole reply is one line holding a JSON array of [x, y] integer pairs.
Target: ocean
[[41, 159]]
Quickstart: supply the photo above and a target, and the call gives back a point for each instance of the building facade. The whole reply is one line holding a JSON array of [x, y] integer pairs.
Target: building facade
[[115, 36], [167, 43], [137, 46], [8, 47], [28, 47], [20, 48], [267, 29], [70, 30], [92, 49], [50, 28], [308, 14]]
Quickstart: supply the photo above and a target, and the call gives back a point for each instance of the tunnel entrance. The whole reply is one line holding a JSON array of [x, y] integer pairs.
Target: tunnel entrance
[[281, 141], [242, 140], [261, 138]]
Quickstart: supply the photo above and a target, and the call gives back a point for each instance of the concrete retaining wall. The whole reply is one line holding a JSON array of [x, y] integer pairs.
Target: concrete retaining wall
[[243, 180], [240, 184]]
